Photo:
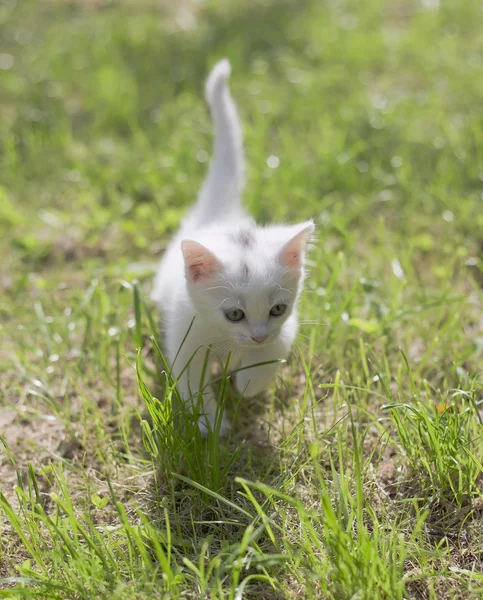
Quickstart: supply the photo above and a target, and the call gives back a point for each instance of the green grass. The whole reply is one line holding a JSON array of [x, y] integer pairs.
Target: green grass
[[359, 473]]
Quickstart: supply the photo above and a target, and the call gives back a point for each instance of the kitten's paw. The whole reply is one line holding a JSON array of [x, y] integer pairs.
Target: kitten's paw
[[245, 387], [202, 426], [224, 426], [206, 424]]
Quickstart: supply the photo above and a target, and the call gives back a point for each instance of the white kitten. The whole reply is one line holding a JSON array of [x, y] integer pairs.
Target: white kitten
[[235, 283]]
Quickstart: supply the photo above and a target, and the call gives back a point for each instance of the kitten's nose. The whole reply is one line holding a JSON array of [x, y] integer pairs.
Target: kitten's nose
[[259, 338]]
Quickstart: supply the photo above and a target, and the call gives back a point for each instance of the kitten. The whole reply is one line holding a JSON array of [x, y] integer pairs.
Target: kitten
[[235, 283]]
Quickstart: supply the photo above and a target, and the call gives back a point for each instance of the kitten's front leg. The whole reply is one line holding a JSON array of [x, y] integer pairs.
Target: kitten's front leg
[[251, 381], [189, 384]]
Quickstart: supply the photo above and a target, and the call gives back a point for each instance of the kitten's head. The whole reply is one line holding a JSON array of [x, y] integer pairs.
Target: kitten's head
[[248, 283]]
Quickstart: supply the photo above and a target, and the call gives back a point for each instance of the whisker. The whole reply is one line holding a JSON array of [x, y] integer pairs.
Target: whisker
[[299, 344], [221, 303], [216, 287], [288, 271]]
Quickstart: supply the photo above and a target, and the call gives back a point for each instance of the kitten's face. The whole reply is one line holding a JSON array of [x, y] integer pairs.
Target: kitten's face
[[246, 300], [251, 312]]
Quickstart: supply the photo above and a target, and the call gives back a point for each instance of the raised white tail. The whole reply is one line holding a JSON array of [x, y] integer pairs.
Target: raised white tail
[[220, 193]]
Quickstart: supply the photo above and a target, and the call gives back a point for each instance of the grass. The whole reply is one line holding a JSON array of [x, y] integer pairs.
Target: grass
[[359, 473]]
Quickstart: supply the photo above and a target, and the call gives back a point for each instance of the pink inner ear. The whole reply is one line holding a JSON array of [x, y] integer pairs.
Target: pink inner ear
[[293, 251], [291, 254], [199, 261]]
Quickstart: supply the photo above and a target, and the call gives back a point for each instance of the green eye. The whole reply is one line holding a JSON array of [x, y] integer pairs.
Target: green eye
[[278, 310], [234, 314]]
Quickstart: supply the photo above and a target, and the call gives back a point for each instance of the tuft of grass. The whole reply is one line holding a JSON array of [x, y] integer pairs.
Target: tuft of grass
[[443, 443]]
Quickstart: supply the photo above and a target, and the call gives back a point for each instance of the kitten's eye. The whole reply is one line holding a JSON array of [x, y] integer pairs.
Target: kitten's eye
[[234, 314], [278, 310]]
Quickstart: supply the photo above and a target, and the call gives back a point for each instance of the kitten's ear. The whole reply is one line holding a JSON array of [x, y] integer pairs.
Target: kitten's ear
[[200, 263], [292, 253]]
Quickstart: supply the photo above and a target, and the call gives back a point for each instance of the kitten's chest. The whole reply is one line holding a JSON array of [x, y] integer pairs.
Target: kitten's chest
[[231, 356]]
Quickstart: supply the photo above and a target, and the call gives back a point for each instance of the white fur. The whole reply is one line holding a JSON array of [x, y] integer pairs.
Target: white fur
[[220, 260]]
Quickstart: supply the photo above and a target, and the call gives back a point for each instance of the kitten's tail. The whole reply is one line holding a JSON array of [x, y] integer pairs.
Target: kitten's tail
[[221, 190]]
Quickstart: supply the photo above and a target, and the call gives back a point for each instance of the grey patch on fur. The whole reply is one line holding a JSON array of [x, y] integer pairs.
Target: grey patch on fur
[[246, 272], [244, 239]]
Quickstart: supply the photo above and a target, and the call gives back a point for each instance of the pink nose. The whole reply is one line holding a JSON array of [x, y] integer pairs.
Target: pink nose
[[259, 338]]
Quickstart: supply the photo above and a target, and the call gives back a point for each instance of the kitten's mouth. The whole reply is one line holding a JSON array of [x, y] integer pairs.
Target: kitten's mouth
[[253, 344]]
